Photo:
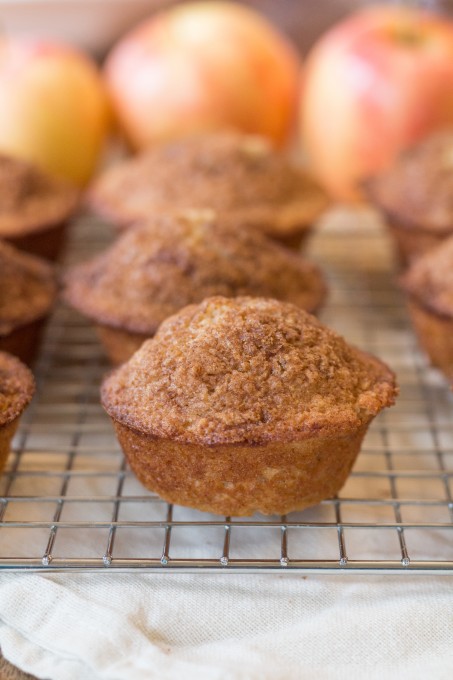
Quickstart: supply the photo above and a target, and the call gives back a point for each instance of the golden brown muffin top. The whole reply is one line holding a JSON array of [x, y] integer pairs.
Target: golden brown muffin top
[[253, 370], [234, 174], [27, 288], [17, 387], [30, 199], [156, 268], [418, 189], [430, 279]]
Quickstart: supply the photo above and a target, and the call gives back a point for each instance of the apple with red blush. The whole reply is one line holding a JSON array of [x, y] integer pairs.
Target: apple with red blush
[[200, 67], [374, 84]]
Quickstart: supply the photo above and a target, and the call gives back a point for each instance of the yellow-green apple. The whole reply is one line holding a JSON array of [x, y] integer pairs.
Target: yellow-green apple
[[53, 107], [375, 84], [203, 66]]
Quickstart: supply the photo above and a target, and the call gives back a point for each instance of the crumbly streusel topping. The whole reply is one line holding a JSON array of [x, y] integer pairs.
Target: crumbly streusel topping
[[430, 279], [16, 387], [156, 268], [418, 189], [246, 370], [27, 288], [30, 198], [228, 172]]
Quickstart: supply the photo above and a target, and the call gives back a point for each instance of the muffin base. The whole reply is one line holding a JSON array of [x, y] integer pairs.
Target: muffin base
[[47, 243], [295, 241], [240, 480], [435, 335], [411, 242], [6, 434], [119, 344], [24, 341]]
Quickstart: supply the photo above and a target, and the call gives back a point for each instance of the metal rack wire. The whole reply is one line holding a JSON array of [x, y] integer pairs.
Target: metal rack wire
[[69, 502]]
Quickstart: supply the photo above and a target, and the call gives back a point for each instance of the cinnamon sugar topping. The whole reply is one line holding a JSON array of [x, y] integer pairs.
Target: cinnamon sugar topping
[[30, 199], [430, 279], [418, 189], [16, 387], [246, 370], [155, 269], [27, 288], [236, 175]]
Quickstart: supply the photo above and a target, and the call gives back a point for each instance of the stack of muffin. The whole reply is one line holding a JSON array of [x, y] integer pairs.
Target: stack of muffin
[[241, 400], [229, 395], [34, 213], [415, 197]]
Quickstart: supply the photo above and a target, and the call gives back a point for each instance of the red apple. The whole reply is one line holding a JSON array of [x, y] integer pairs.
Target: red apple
[[203, 66], [375, 84], [53, 107]]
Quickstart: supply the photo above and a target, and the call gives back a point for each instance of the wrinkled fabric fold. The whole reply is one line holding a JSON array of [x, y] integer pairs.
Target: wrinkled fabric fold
[[227, 627]]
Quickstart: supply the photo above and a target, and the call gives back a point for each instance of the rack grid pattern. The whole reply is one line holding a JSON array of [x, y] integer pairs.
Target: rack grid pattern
[[69, 502]]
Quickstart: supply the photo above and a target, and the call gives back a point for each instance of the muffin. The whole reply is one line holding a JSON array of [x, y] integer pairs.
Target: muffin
[[428, 285], [34, 208], [28, 290], [16, 390], [240, 405], [236, 175], [155, 269], [416, 196]]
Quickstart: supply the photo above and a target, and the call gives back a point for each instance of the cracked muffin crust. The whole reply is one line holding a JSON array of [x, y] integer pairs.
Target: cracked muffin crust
[[236, 175], [17, 387], [34, 207], [157, 268], [428, 285], [28, 290], [416, 195], [245, 404]]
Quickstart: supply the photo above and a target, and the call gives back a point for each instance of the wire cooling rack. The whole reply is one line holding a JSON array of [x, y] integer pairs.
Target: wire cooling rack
[[69, 502]]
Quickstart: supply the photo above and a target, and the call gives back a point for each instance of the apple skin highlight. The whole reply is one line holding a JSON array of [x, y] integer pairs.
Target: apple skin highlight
[[201, 67], [374, 85]]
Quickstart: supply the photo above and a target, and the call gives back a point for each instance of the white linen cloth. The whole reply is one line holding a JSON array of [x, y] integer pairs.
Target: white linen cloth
[[228, 627]]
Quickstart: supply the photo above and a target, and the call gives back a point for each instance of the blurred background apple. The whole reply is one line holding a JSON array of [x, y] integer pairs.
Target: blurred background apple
[[203, 66], [340, 105], [375, 84], [53, 107]]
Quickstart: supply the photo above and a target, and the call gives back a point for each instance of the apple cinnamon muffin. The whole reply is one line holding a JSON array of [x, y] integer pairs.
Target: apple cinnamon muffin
[[156, 268], [428, 284], [236, 175], [240, 405], [34, 207], [16, 390], [415, 196], [28, 290]]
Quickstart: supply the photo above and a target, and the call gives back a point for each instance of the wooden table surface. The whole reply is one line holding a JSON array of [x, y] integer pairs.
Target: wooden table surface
[[9, 672]]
